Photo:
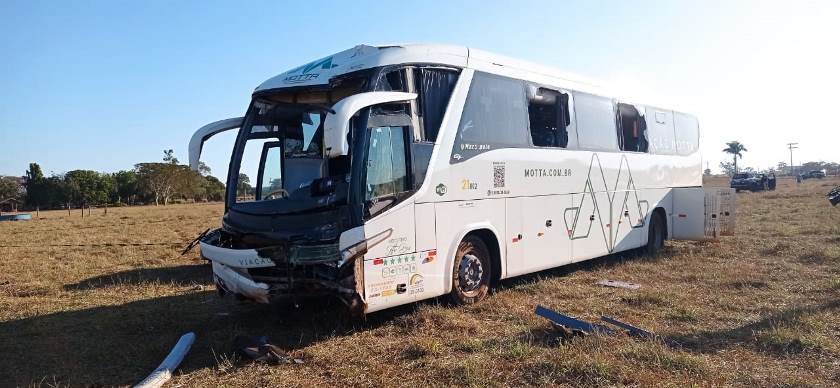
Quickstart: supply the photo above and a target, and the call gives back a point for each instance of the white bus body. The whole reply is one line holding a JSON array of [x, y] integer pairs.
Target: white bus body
[[500, 169]]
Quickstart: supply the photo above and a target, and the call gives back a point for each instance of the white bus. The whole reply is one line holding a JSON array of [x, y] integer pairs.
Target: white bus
[[387, 175]]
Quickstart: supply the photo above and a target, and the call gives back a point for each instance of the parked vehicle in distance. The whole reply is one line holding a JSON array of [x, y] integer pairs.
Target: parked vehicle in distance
[[812, 174], [748, 181]]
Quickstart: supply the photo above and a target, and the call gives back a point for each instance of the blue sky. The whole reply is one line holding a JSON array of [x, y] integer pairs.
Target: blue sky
[[105, 84]]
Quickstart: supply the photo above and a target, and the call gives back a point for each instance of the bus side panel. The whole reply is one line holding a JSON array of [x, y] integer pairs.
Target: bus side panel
[[688, 216], [545, 239], [515, 257], [454, 220], [587, 221], [424, 215], [627, 220], [391, 259]]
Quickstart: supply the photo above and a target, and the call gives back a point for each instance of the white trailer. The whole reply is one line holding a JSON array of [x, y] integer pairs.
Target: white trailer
[[387, 175]]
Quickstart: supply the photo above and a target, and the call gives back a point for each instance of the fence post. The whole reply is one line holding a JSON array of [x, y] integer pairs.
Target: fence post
[[106, 208], [37, 212]]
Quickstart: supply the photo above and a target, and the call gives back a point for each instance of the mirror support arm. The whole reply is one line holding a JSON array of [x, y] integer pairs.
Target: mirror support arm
[[206, 132]]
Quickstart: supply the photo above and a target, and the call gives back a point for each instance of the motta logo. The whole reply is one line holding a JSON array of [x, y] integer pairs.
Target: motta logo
[[440, 189], [303, 73]]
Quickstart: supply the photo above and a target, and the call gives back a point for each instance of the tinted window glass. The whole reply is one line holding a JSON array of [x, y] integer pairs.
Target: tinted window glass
[[686, 133], [494, 116], [386, 167], [271, 182], [434, 87], [595, 122]]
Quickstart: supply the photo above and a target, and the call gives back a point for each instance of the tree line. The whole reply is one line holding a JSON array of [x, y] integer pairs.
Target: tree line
[[737, 149], [155, 182]]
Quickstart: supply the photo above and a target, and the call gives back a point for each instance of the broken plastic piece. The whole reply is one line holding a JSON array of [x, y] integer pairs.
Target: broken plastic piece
[[618, 284], [170, 363]]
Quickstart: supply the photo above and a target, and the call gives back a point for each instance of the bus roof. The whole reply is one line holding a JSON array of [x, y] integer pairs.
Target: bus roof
[[320, 71]]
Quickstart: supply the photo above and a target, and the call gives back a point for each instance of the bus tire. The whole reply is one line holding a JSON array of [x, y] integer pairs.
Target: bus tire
[[470, 272], [656, 234]]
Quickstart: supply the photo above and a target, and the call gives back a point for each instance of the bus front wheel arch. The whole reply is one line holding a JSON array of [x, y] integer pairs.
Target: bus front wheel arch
[[472, 270]]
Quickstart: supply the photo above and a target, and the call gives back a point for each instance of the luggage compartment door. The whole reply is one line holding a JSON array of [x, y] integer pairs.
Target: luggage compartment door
[[689, 215], [703, 214]]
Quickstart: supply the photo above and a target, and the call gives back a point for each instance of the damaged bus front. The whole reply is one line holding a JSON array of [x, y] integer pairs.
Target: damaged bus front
[[313, 152]]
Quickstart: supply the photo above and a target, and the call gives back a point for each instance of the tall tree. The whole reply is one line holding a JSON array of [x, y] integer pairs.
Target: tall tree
[[169, 157], [214, 189], [9, 188], [736, 149], [88, 187], [34, 172], [157, 179], [243, 185], [203, 169], [126, 185]]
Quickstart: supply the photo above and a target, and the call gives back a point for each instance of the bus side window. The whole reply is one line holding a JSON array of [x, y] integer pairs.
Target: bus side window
[[548, 117], [387, 180], [595, 122], [433, 87], [632, 128], [686, 132], [494, 117], [660, 131]]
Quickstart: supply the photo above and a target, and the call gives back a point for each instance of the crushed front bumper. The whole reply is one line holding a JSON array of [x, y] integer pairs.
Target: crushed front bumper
[[273, 273]]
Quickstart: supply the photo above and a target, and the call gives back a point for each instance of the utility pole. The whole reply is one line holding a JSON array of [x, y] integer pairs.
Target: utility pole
[[791, 147]]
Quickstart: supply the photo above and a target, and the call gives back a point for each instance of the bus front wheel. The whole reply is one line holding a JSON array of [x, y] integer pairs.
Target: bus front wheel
[[470, 272]]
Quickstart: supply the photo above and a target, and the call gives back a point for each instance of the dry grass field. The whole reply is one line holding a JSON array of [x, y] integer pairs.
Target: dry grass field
[[100, 300]]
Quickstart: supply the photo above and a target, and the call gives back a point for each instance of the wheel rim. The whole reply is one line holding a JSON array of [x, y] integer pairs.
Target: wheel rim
[[470, 272]]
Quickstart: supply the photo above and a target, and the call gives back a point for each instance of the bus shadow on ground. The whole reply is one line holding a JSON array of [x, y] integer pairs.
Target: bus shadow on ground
[[182, 274], [121, 344]]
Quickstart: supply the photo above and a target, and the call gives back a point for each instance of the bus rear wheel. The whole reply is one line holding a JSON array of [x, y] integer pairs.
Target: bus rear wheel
[[470, 272], [656, 234]]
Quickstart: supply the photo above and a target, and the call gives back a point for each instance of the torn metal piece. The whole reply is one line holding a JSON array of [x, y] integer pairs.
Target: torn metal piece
[[618, 284], [631, 330], [572, 323]]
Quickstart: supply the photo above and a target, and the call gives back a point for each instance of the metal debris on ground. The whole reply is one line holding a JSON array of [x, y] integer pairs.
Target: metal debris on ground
[[261, 350], [618, 284], [633, 331], [569, 324]]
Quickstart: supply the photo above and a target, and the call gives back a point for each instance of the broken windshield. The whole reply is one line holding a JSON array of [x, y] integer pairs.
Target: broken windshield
[[283, 151]]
